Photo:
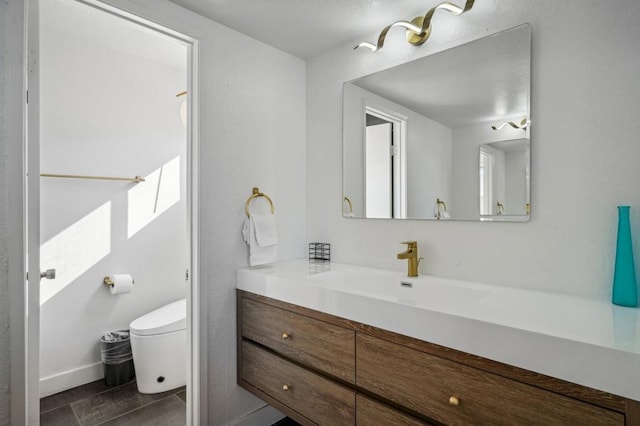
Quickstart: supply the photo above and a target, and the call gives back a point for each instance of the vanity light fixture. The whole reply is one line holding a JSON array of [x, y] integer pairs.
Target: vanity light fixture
[[523, 125], [419, 29]]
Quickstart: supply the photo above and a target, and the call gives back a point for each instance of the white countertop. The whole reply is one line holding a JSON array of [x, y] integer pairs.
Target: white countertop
[[586, 341]]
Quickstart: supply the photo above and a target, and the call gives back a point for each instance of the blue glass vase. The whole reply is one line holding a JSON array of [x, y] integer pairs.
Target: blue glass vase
[[625, 291]]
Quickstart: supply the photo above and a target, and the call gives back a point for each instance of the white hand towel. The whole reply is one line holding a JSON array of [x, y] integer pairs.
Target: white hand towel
[[443, 213], [265, 227], [259, 233]]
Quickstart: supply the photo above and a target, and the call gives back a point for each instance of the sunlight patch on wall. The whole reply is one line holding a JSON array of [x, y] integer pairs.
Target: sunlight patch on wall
[[74, 250], [149, 199]]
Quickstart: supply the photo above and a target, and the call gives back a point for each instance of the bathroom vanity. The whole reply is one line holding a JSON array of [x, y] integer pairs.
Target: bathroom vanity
[[338, 347]]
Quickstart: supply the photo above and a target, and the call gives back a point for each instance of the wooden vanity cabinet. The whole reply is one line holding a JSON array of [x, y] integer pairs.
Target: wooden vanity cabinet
[[451, 393], [320, 369], [318, 399], [371, 412], [317, 344]]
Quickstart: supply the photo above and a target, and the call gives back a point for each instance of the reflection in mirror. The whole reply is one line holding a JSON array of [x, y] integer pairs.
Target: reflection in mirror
[[504, 178], [413, 134], [384, 172]]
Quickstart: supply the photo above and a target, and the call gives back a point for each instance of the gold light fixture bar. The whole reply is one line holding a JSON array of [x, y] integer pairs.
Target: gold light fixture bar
[[419, 29], [133, 179], [522, 126]]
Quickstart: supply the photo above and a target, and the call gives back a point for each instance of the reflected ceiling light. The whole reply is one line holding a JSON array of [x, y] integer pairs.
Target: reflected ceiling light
[[183, 108], [419, 29], [522, 126]]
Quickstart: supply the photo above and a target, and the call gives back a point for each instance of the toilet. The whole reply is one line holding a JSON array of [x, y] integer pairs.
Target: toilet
[[159, 347]]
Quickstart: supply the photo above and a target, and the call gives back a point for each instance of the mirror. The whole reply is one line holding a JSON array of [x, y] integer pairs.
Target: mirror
[[504, 179], [444, 137]]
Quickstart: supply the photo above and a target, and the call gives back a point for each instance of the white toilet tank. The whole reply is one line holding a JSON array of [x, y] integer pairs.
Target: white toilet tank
[[159, 347]]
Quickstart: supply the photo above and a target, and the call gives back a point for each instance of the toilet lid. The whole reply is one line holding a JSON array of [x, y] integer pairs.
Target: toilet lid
[[171, 317]]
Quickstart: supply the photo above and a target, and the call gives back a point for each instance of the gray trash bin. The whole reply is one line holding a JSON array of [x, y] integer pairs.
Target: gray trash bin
[[117, 359]]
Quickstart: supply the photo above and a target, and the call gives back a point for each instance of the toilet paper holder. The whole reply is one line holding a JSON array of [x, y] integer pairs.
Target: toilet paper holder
[[108, 281]]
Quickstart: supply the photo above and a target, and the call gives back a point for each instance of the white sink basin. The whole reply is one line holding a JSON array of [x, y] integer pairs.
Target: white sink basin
[[423, 291]]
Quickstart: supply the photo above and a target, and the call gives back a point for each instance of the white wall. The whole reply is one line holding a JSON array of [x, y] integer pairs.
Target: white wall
[[469, 204], [5, 72], [108, 113], [429, 165], [252, 108], [584, 104], [12, 265], [515, 182]]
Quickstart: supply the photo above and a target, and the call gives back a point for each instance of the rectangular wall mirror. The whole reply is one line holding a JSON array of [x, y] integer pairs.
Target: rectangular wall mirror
[[444, 137]]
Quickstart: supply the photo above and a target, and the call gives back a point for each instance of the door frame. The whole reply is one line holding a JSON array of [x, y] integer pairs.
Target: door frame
[[28, 349], [398, 157]]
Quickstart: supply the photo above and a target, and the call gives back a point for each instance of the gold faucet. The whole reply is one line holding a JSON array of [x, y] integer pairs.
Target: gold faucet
[[411, 254]]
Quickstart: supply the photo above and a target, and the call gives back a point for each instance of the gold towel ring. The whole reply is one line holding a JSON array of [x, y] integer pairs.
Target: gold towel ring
[[256, 193], [349, 203], [439, 203]]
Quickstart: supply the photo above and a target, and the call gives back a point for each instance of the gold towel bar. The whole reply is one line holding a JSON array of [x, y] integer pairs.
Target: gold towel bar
[[133, 179], [256, 193]]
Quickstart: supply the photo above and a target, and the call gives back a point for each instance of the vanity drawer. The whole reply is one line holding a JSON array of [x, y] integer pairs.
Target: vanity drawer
[[317, 344], [370, 412], [431, 386], [314, 397]]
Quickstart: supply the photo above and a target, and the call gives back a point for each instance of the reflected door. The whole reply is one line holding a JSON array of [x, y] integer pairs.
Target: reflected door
[[379, 170], [486, 183]]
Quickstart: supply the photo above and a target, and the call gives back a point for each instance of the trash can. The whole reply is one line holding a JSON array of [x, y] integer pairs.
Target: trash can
[[117, 359]]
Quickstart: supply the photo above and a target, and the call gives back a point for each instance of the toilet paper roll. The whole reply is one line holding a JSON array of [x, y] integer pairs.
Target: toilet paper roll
[[122, 283]]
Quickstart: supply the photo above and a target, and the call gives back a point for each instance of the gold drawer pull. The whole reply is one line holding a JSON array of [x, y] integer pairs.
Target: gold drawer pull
[[285, 387], [285, 336], [453, 400]]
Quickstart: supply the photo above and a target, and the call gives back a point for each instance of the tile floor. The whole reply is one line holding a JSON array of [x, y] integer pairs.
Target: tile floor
[[98, 404]]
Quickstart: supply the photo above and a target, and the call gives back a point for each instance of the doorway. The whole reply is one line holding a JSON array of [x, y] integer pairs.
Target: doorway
[[103, 104], [385, 164]]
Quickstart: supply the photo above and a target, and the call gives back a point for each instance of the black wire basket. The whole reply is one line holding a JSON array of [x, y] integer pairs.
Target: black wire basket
[[320, 252]]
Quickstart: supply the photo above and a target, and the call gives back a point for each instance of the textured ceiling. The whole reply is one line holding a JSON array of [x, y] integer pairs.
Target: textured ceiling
[[480, 81], [91, 25], [489, 84], [305, 28]]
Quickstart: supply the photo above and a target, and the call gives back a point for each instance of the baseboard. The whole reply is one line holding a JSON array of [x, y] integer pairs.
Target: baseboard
[[70, 379], [266, 415]]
